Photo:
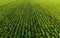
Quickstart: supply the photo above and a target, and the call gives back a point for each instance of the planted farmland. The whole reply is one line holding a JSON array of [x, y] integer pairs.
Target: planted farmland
[[27, 20]]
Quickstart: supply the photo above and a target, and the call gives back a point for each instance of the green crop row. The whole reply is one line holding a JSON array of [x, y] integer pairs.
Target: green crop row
[[27, 20]]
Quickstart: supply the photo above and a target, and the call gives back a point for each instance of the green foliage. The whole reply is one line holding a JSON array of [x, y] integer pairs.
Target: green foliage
[[27, 20]]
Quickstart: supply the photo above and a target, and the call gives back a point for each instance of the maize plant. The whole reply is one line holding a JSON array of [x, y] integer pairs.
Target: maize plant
[[30, 19]]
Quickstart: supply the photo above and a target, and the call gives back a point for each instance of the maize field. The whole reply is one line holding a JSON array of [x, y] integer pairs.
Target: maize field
[[30, 19]]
